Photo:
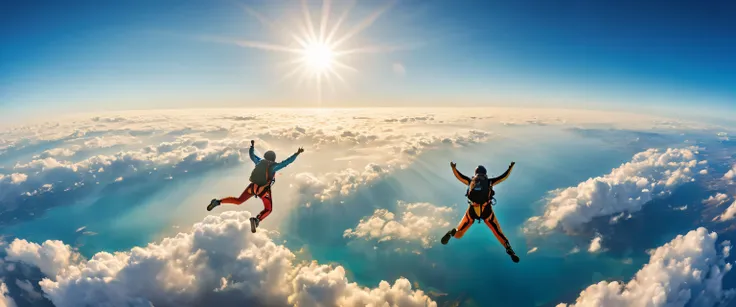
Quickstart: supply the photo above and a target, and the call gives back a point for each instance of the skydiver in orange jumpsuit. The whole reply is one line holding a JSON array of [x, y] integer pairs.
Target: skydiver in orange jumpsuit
[[480, 197]]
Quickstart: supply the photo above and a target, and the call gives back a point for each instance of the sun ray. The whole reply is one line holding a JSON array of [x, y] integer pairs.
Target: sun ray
[[325, 17], [363, 24], [337, 75], [308, 20], [340, 20], [302, 78], [319, 89], [329, 83], [373, 49], [265, 46], [318, 58], [293, 72], [273, 25], [346, 66]]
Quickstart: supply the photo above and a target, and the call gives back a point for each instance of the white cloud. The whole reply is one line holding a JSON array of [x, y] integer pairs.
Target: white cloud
[[730, 175], [185, 140], [399, 69], [595, 244], [717, 200], [615, 219], [729, 213], [5, 299], [687, 270], [403, 151], [219, 262], [14, 178], [51, 257], [625, 189], [418, 222]]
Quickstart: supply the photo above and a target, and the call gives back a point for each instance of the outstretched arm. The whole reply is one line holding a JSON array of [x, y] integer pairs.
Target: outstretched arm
[[464, 179], [252, 154], [503, 176], [288, 160]]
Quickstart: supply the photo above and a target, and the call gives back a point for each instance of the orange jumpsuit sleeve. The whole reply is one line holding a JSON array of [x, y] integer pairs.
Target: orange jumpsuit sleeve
[[502, 178], [464, 179]]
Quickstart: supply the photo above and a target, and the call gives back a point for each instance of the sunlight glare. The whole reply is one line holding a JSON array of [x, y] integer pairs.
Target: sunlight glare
[[321, 54], [319, 57]]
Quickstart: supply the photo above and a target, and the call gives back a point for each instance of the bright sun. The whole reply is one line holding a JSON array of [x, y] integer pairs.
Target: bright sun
[[321, 51], [318, 57]]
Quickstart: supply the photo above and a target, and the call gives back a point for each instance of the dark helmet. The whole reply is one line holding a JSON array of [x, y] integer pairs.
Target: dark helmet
[[270, 156], [480, 170]]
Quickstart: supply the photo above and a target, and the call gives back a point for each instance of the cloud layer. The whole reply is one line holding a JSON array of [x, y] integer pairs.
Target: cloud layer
[[219, 262], [625, 189], [687, 270], [54, 164], [417, 222]]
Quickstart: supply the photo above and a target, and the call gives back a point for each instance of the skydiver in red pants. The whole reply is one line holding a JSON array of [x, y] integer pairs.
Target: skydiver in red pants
[[261, 179]]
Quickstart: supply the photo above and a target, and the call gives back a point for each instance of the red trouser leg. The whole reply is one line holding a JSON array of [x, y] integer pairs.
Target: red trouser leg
[[247, 194], [267, 202]]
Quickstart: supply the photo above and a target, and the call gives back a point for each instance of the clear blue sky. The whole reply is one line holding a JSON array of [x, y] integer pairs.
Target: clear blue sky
[[98, 55]]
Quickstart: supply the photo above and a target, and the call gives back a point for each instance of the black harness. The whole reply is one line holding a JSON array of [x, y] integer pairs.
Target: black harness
[[485, 211]]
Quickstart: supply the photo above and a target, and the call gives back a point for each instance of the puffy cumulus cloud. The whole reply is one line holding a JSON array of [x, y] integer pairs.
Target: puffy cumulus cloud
[[51, 257], [5, 299], [327, 185], [730, 175], [219, 262], [728, 214], [14, 178], [625, 189], [595, 244], [687, 271], [716, 200], [417, 222]]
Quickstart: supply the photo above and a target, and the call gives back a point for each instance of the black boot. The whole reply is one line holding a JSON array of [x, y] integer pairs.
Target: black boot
[[254, 221], [448, 235], [511, 253], [214, 203]]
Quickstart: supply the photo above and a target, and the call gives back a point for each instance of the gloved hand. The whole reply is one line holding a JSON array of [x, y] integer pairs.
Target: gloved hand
[[512, 164], [300, 150], [453, 164], [252, 142]]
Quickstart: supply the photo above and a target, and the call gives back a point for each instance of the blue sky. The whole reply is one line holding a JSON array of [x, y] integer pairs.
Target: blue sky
[[91, 55]]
